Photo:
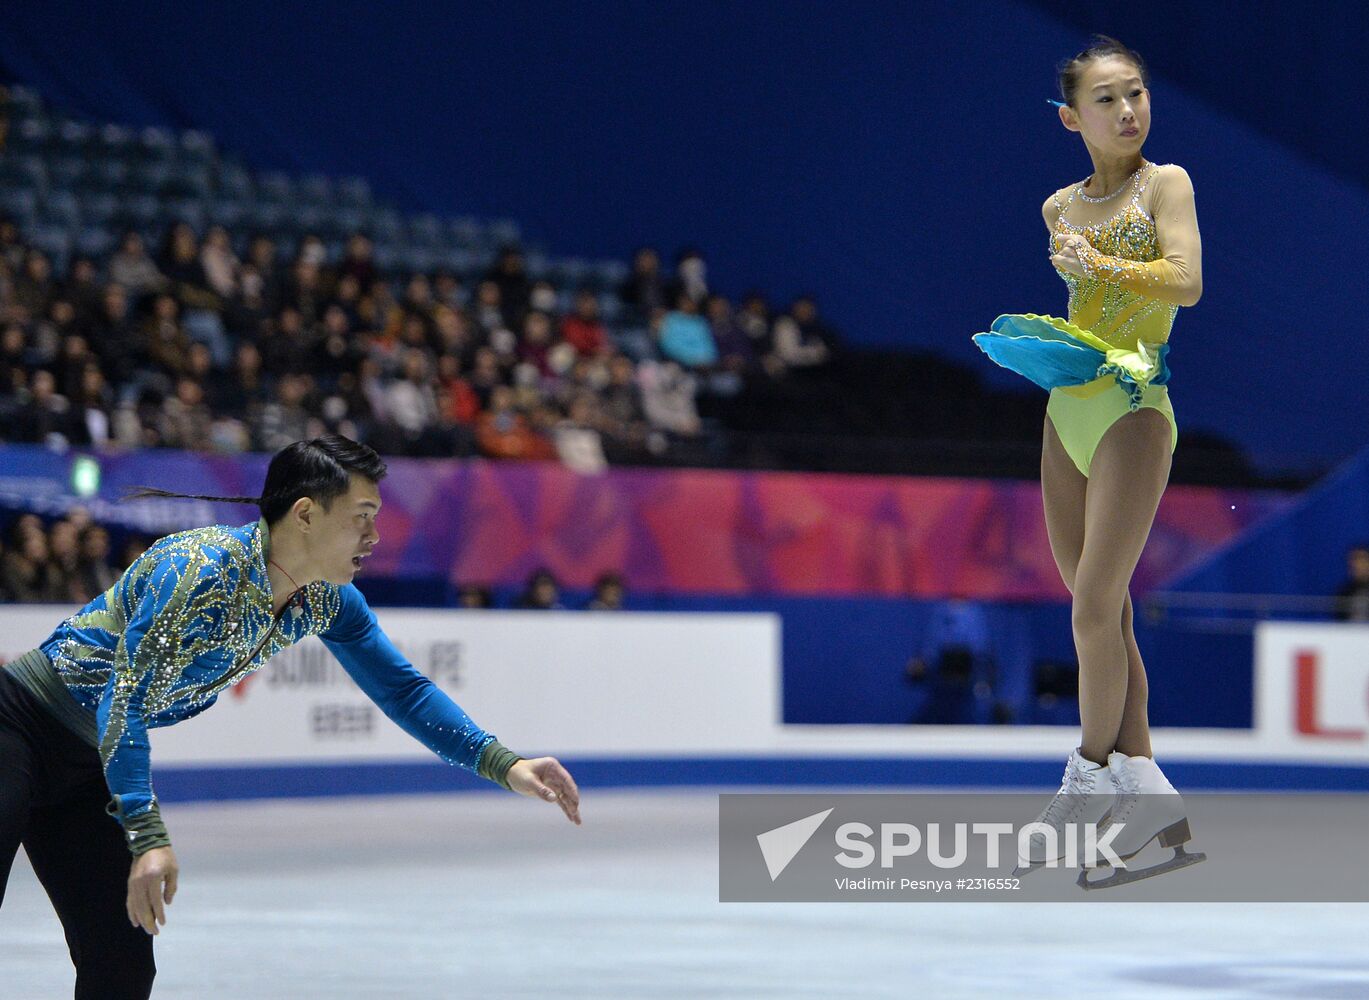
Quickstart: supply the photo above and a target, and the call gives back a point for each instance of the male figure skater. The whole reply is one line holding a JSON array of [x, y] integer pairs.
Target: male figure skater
[[195, 614]]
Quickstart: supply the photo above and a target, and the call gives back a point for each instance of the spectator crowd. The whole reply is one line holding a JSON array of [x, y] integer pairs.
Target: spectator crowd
[[194, 345], [67, 562]]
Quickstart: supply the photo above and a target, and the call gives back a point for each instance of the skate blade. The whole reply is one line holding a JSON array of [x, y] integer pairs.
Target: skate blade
[[1125, 876]]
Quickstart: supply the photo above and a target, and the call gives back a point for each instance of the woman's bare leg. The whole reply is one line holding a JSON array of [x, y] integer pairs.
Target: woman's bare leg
[[1127, 477]]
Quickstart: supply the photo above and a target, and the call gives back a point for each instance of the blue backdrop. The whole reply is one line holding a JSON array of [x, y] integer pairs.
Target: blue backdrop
[[891, 157]]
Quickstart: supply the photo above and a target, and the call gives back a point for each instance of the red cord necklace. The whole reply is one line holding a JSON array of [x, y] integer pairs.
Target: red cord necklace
[[294, 596]]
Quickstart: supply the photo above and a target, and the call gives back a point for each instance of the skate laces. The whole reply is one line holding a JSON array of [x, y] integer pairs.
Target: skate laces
[[1074, 784]]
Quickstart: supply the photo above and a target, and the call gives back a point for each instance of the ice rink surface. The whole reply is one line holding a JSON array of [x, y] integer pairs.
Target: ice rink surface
[[490, 896]]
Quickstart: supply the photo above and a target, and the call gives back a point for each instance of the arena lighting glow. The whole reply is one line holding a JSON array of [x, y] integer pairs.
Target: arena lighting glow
[[85, 476]]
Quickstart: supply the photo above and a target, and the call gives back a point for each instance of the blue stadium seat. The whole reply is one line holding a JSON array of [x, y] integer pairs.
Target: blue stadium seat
[[267, 216], [465, 232], [569, 272], [116, 141], [316, 189], [106, 174], [504, 232], [75, 136], [95, 241], [386, 257], [188, 181], [25, 102], [385, 225], [25, 171], [149, 177], [34, 135], [276, 187], [67, 171], [21, 204], [60, 208], [229, 214], [354, 192], [537, 264], [188, 210], [425, 231], [137, 211], [54, 241], [197, 147], [234, 182], [157, 145], [418, 259], [99, 208]]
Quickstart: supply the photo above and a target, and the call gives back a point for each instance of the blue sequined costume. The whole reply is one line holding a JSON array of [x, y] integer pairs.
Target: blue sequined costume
[[193, 616]]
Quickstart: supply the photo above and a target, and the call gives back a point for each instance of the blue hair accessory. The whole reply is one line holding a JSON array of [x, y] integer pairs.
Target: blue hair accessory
[[1058, 104]]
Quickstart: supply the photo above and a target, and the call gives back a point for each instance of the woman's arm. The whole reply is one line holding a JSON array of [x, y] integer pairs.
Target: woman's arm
[[1177, 276]]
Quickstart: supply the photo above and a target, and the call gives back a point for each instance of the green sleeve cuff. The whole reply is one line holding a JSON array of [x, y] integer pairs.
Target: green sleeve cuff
[[495, 762], [143, 832]]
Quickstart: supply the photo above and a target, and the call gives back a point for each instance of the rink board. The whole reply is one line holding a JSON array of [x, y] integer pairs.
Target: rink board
[[681, 699]]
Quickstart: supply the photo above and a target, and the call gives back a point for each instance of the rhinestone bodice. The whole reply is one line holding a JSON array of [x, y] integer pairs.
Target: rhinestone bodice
[[1115, 314]]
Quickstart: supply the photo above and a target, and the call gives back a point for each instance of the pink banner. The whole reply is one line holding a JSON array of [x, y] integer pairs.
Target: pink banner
[[681, 530]]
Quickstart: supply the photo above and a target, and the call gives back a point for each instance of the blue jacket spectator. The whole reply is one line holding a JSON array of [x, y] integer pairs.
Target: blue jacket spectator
[[685, 336]]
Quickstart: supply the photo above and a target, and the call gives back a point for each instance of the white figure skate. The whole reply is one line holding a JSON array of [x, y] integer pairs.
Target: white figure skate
[[1086, 794], [1148, 808]]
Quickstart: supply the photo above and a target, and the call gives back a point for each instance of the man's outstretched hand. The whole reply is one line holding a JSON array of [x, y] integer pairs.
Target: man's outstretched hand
[[544, 778], [151, 887]]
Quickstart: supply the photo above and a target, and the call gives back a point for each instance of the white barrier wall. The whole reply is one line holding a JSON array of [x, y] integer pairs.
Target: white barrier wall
[[1312, 689], [572, 683], [584, 684]]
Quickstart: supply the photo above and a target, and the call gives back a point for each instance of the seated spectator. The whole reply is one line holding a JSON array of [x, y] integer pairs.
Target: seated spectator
[[544, 297], [15, 361], [1353, 595], [456, 400], [510, 274], [668, 398], [219, 263], [474, 596], [487, 312], [26, 574], [684, 336], [754, 320], [583, 330], [185, 419], [285, 344], [133, 269], [34, 287], [802, 341], [134, 547], [644, 291], [180, 263], [503, 432], [609, 593], [268, 283], [734, 346], [577, 437], [534, 347], [82, 289], [691, 277], [285, 419], [64, 562], [542, 592], [358, 262], [96, 574], [93, 407], [164, 343], [410, 400], [115, 339], [45, 417]]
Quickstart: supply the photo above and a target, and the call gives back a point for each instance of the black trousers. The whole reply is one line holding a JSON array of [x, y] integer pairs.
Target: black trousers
[[52, 800]]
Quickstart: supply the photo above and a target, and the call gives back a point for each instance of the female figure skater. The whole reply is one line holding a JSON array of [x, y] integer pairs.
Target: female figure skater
[[1126, 243], [195, 614]]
